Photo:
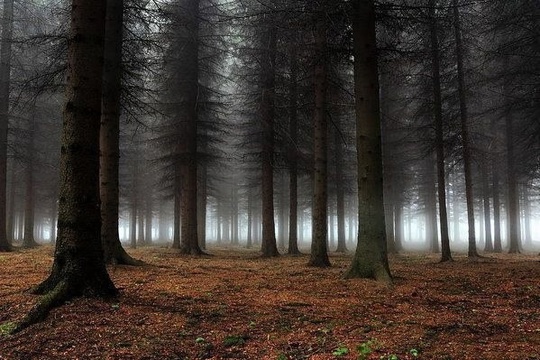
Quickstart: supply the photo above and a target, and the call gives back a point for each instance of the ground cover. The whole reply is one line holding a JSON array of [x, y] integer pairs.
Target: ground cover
[[235, 305]]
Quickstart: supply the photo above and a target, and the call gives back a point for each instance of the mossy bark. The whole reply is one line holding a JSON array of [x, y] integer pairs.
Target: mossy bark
[[78, 268]]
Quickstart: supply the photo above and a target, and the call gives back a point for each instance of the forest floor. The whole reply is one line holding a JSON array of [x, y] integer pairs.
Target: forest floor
[[235, 305]]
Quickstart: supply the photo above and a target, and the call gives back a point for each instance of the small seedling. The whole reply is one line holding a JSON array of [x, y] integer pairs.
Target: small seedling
[[7, 328], [364, 350], [233, 340], [199, 340], [341, 351], [414, 352], [282, 357]]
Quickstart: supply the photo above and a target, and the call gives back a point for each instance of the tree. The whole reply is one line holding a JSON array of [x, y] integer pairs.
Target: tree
[[319, 247], [5, 67], [439, 135], [370, 259], [110, 136], [267, 114], [29, 201], [465, 137], [78, 267]]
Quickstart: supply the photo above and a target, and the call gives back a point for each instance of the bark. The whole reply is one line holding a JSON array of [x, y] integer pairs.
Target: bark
[[176, 211], [497, 243], [293, 153], [249, 220], [465, 138], [110, 137], [29, 206], [188, 121], [201, 206], [319, 247], [446, 254], [12, 208], [269, 246], [512, 197], [148, 217], [281, 212], [5, 68], [78, 267], [487, 212], [370, 259], [340, 194]]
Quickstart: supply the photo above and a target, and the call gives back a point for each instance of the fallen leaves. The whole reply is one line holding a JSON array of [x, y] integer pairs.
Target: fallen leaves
[[236, 305]]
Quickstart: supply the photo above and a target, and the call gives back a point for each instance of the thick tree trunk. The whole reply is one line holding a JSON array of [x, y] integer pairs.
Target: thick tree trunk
[[5, 69], [319, 247], [188, 125], [439, 135], [78, 267], [466, 142], [269, 246], [110, 137], [370, 259]]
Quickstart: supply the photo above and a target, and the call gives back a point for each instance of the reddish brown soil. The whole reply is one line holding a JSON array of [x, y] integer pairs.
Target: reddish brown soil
[[235, 305]]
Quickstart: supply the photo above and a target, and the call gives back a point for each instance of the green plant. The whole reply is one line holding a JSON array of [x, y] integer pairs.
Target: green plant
[[389, 357], [365, 349], [414, 352], [199, 340], [282, 357], [341, 351], [7, 328], [233, 340]]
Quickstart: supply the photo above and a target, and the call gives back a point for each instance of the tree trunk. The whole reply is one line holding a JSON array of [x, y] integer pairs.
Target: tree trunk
[[5, 69], [110, 137], [293, 153], [29, 209], [269, 246], [201, 206], [340, 194], [513, 219], [188, 124], [249, 243], [487, 212], [148, 219], [465, 133], [370, 259], [497, 243], [446, 254], [319, 247], [78, 267], [176, 211], [12, 207]]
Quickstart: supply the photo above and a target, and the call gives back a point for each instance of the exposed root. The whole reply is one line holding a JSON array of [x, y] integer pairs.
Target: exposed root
[[49, 301]]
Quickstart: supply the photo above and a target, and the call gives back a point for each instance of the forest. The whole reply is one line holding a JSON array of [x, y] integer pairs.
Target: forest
[[270, 179]]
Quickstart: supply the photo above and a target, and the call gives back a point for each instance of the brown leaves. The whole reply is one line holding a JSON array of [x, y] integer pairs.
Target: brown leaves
[[235, 305]]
